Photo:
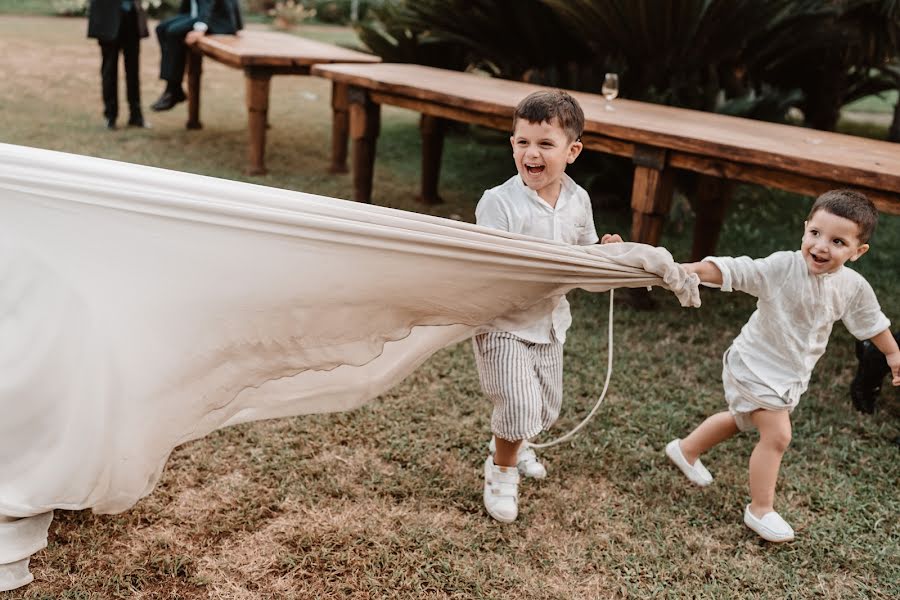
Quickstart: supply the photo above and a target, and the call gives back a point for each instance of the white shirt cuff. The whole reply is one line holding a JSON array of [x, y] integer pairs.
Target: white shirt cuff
[[202, 27]]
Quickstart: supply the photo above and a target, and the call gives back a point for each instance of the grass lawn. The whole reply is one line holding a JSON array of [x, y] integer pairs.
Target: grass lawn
[[27, 7], [385, 501]]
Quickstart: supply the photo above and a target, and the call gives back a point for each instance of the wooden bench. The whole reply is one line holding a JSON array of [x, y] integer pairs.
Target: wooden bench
[[262, 54], [657, 138]]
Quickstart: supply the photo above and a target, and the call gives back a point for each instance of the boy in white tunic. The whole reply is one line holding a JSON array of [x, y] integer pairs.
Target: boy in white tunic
[[766, 369], [521, 369]]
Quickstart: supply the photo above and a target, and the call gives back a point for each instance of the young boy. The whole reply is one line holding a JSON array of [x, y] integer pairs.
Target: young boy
[[521, 369], [766, 369]]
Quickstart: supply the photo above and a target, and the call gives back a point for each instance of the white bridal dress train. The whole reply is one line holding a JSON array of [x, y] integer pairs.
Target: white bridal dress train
[[142, 308]]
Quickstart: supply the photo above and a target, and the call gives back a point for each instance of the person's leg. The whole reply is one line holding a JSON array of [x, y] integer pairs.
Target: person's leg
[[506, 371], [685, 454], [171, 35], [507, 452], [549, 371], [774, 437], [130, 40], [711, 432], [109, 76]]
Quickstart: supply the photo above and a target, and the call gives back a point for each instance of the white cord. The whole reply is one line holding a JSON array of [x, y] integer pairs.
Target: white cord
[[609, 361]]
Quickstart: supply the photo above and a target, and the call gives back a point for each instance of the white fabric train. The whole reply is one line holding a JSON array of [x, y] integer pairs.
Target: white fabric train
[[141, 308]]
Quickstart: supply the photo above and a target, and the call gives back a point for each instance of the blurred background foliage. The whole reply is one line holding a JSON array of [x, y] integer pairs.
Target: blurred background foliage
[[754, 58]]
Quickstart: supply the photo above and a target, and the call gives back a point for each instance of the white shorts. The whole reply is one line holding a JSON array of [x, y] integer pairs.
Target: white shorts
[[524, 381], [746, 393]]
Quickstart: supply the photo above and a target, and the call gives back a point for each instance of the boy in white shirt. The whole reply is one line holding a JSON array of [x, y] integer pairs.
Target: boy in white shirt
[[766, 369], [521, 370]]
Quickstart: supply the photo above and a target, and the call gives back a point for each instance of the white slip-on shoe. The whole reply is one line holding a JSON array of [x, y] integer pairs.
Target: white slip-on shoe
[[526, 460], [501, 491], [771, 527], [696, 472]]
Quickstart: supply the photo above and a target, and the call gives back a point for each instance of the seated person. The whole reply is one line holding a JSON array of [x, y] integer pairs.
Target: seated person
[[195, 19]]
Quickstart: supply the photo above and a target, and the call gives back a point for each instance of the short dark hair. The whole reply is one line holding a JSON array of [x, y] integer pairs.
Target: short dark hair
[[851, 205], [544, 105]]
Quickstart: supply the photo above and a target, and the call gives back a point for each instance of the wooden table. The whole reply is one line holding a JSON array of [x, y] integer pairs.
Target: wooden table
[[262, 54], [658, 139]]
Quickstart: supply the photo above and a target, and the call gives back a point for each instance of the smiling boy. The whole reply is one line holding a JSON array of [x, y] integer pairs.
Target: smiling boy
[[768, 366], [521, 369]]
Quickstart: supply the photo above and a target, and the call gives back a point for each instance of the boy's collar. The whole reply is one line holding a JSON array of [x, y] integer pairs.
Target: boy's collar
[[567, 186]]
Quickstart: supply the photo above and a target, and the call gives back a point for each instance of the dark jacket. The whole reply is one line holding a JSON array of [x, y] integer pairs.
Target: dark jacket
[[105, 16], [222, 16]]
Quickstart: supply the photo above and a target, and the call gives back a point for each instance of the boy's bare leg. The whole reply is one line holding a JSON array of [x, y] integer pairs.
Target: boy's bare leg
[[774, 436], [507, 451], [712, 431]]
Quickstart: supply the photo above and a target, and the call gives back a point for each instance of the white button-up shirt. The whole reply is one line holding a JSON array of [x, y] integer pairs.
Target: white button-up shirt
[[789, 331], [514, 207]]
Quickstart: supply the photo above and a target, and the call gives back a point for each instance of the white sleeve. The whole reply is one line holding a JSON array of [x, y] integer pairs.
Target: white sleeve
[[588, 235], [760, 277], [490, 212], [863, 317]]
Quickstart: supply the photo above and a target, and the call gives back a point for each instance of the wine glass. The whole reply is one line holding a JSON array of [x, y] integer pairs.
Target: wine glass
[[610, 89]]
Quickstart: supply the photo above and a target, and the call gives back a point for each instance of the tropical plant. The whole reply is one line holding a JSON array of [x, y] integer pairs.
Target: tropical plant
[[835, 51], [391, 35]]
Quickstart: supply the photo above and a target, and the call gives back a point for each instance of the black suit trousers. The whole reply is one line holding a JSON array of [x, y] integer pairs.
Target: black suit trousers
[[171, 34], [129, 44]]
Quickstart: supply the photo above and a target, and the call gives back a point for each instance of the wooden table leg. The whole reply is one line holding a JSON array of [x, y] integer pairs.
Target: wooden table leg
[[257, 82], [709, 203], [432, 129], [365, 124], [651, 195], [195, 70], [651, 198], [340, 127]]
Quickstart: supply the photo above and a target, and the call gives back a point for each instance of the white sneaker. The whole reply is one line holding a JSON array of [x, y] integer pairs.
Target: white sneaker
[[526, 460], [696, 472], [771, 527], [501, 491]]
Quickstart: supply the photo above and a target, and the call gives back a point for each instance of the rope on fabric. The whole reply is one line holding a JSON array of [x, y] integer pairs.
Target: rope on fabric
[[584, 422]]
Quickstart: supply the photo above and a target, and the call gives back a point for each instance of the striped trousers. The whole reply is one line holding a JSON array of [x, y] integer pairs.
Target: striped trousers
[[523, 380]]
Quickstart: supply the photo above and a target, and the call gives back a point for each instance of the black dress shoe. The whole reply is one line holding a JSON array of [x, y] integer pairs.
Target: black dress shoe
[[168, 99], [866, 385], [110, 123], [138, 122]]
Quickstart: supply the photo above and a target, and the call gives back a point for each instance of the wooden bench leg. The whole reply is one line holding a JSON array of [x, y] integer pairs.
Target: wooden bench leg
[[651, 195], [651, 198], [195, 70], [709, 203], [365, 124], [258, 113], [432, 129], [340, 127]]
